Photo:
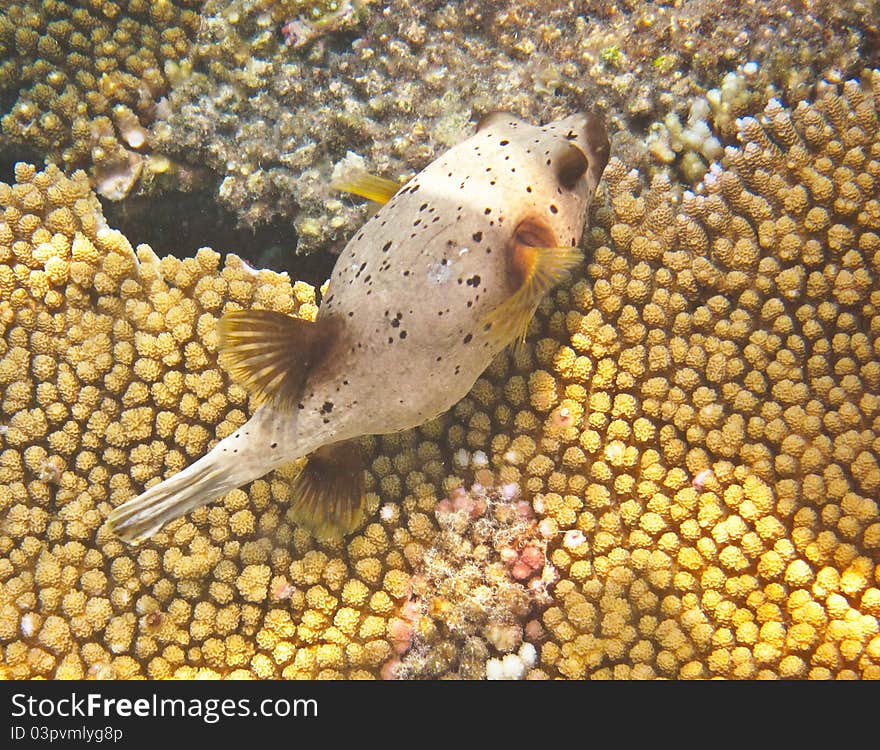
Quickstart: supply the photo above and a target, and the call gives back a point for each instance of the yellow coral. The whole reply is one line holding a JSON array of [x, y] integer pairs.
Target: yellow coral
[[98, 402], [86, 80], [693, 427], [726, 338]]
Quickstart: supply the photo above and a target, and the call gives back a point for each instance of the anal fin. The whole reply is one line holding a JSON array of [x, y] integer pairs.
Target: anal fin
[[270, 353], [540, 269], [366, 185], [328, 495]]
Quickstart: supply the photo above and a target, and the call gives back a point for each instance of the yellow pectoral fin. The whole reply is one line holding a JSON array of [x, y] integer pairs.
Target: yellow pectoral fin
[[270, 353], [544, 267], [367, 186]]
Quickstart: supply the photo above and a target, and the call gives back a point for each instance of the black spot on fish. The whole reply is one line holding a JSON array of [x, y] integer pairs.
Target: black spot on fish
[[553, 209], [478, 236], [403, 334], [386, 246], [467, 339], [504, 142], [487, 211], [474, 281], [327, 407]]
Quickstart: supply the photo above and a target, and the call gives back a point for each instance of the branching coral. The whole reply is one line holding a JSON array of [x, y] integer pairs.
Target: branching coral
[[88, 76], [696, 420], [109, 380], [694, 424]]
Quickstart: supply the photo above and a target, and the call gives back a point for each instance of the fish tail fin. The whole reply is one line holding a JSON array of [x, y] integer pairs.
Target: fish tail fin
[[328, 494], [141, 517]]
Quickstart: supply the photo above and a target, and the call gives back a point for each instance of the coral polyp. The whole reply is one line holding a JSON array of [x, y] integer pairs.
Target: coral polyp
[[675, 476]]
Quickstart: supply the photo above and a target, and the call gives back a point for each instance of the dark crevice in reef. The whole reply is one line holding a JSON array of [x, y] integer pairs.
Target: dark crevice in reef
[[15, 152], [180, 223]]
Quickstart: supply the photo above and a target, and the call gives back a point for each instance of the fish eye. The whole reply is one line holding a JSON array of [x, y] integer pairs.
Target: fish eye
[[570, 166]]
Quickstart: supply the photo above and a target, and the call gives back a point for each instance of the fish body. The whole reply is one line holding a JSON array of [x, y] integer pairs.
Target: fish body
[[420, 301]]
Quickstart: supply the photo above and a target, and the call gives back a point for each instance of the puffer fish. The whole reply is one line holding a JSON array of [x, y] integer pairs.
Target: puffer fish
[[445, 275]]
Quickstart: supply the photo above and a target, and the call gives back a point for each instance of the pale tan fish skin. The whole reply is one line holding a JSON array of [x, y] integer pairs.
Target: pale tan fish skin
[[410, 293]]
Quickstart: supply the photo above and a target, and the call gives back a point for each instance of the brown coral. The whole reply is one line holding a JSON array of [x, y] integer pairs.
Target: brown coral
[[88, 77]]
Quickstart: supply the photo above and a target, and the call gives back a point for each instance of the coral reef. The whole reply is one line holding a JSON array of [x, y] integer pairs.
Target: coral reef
[[693, 423], [109, 379], [272, 114], [696, 421], [477, 584], [83, 81]]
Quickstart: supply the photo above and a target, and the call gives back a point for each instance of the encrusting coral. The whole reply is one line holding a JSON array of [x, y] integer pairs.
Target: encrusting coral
[[675, 476], [85, 79], [281, 92]]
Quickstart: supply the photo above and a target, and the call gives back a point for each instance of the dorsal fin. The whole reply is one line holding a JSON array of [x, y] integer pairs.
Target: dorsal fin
[[270, 353], [540, 269], [366, 185], [328, 494]]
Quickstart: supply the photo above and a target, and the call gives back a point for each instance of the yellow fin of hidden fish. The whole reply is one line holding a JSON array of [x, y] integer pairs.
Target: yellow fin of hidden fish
[[270, 353], [328, 496], [542, 268], [369, 186]]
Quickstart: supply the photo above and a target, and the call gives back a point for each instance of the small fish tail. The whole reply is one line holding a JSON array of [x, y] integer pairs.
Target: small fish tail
[[141, 517]]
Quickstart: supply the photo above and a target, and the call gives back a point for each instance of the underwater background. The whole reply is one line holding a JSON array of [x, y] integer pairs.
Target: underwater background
[[676, 476]]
